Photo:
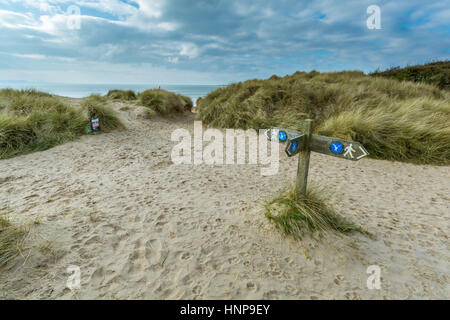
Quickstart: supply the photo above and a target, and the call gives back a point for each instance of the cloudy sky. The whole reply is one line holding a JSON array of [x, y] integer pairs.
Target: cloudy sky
[[212, 41]]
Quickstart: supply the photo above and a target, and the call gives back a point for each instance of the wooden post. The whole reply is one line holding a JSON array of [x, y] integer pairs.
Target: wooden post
[[303, 161]]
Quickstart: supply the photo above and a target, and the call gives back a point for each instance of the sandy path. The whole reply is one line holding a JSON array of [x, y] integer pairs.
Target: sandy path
[[139, 226]]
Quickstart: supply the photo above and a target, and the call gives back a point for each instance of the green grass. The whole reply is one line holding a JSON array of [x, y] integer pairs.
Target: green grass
[[32, 121], [436, 73], [11, 240], [395, 120], [309, 215], [199, 99], [415, 130], [95, 106], [35, 121], [122, 95], [165, 102], [12, 93]]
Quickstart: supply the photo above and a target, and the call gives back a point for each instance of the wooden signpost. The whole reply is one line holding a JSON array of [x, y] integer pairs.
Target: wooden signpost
[[302, 143]]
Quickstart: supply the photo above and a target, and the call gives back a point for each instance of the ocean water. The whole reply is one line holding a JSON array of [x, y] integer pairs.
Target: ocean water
[[84, 90]]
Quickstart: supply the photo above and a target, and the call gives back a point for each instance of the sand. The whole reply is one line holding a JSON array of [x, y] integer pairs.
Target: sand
[[140, 227]]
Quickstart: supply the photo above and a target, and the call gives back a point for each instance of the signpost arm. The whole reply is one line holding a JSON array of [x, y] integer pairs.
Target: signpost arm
[[303, 161]]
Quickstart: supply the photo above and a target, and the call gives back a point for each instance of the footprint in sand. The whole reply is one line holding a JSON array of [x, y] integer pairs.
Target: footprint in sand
[[93, 239], [160, 224], [196, 290], [271, 295], [153, 250], [339, 278], [291, 290], [289, 261], [233, 260], [352, 296], [185, 256], [252, 286]]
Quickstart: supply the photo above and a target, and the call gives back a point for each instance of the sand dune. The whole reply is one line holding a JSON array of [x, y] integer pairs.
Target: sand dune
[[140, 227]]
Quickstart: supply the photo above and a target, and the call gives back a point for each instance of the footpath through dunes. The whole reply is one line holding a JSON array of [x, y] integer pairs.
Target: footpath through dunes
[[141, 227]]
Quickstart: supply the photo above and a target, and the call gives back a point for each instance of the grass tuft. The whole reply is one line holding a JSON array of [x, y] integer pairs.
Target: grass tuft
[[165, 102], [96, 106], [11, 240], [122, 95], [35, 121], [436, 73], [296, 217], [402, 121], [412, 130]]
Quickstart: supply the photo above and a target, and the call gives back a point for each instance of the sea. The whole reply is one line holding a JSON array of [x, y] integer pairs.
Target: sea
[[84, 90]]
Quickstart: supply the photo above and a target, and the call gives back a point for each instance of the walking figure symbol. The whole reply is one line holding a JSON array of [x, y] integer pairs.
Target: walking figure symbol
[[349, 151]]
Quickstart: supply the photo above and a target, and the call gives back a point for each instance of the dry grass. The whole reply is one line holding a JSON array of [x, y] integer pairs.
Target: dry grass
[[122, 95], [415, 130], [395, 120], [296, 217], [35, 121], [96, 106], [437, 73], [165, 102], [11, 240]]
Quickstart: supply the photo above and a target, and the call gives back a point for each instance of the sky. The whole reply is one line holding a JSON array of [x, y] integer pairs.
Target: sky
[[213, 41]]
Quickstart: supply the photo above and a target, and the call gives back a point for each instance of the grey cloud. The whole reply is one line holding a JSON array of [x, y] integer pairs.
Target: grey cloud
[[246, 38]]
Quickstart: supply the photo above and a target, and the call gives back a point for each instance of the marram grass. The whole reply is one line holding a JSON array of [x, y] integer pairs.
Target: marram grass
[[165, 102], [308, 215], [437, 73], [35, 121], [394, 120], [95, 106], [121, 95], [11, 240], [415, 130]]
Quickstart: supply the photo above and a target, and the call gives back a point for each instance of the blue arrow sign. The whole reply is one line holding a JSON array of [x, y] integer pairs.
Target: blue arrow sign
[[336, 147], [282, 136], [350, 150], [294, 146]]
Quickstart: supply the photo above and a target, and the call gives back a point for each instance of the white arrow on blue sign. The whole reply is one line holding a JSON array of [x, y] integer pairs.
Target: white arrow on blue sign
[[295, 145], [350, 150]]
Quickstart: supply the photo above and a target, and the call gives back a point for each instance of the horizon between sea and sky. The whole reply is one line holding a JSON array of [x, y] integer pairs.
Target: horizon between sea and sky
[[79, 90], [62, 45]]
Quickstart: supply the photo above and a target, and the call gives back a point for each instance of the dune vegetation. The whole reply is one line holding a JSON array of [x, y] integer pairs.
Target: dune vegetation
[[34, 121], [122, 95], [165, 102], [11, 240], [394, 120], [310, 215], [158, 101], [96, 106], [436, 73]]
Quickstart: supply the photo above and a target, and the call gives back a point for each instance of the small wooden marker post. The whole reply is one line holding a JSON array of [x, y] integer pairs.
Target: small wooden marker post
[[303, 161], [303, 143]]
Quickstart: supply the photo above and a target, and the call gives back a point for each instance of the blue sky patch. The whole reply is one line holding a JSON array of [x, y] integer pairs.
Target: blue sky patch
[[212, 42]]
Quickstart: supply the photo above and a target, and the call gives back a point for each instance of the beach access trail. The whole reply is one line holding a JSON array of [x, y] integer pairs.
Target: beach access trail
[[140, 227]]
